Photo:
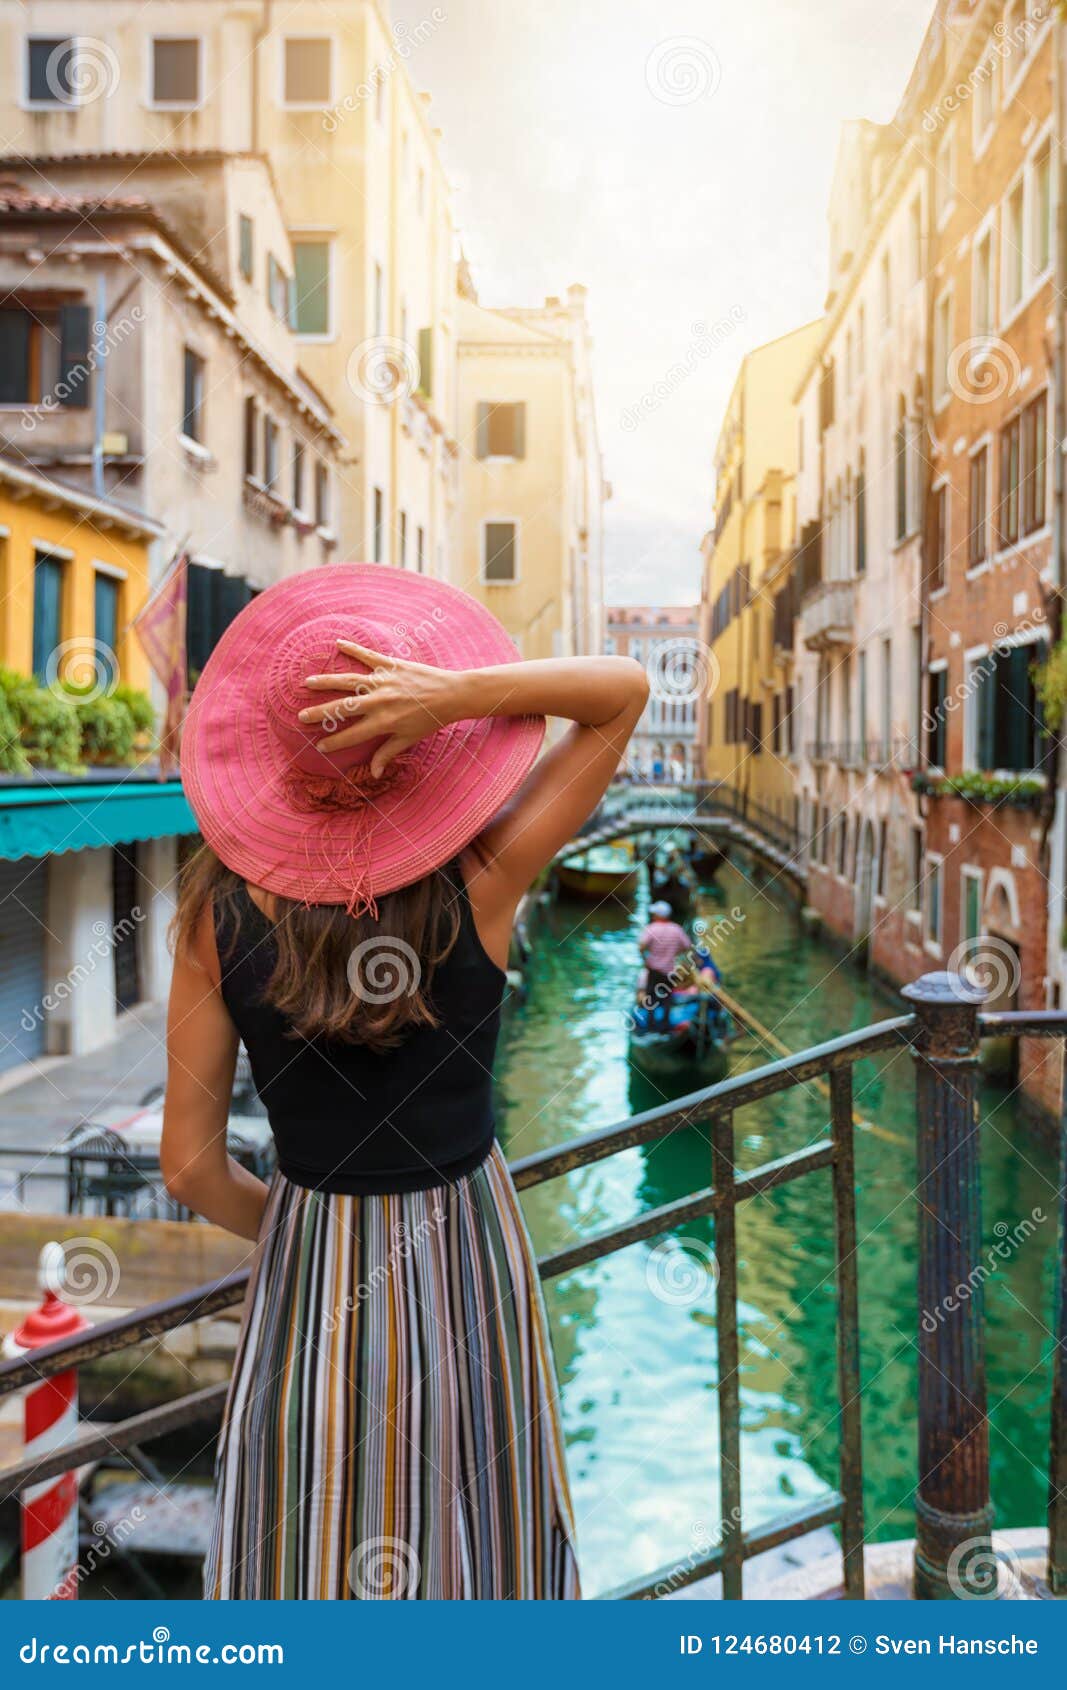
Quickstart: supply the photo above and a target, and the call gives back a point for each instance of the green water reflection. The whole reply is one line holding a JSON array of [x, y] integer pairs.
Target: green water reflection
[[636, 1348]]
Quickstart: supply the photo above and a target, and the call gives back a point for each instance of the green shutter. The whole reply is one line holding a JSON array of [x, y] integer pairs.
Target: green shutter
[[984, 702], [426, 364], [75, 327], [482, 441], [47, 611], [14, 357], [1020, 724]]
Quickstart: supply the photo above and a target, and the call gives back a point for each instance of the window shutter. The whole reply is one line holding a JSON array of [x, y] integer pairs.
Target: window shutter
[[14, 357], [1019, 720], [985, 721], [74, 331], [482, 443], [426, 364], [519, 433]]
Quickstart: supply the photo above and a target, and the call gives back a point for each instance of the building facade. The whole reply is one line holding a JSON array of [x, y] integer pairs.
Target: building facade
[[87, 858], [748, 717], [364, 266], [665, 745], [532, 486]]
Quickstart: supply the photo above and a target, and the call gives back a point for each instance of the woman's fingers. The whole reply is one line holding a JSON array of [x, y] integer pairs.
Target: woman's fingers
[[339, 682], [363, 654], [392, 748], [355, 735], [332, 712]]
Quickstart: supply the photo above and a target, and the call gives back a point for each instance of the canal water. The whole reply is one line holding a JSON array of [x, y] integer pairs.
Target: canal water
[[634, 1334]]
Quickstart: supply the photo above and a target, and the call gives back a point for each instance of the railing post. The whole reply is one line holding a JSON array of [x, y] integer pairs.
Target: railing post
[[954, 1515]]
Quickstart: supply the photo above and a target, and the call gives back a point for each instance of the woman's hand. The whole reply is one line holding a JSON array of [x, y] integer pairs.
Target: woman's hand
[[397, 702]]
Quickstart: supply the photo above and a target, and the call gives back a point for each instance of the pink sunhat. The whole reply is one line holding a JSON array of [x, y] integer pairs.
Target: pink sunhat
[[314, 826]]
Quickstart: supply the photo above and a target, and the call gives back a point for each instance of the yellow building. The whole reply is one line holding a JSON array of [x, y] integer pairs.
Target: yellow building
[[747, 597], [73, 574], [532, 488], [87, 856]]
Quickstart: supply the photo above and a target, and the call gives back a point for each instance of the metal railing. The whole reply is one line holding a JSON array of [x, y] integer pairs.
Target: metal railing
[[899, 753], [690, 803], [953, 1505]]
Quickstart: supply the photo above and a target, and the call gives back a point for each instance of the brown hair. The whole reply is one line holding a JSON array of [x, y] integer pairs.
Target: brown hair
[[360, 979]]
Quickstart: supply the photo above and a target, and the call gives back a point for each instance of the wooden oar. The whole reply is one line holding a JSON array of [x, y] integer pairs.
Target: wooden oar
[[740, 1013]]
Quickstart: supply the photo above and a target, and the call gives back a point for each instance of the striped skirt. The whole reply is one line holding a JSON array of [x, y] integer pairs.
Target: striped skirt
[[392, 1428]]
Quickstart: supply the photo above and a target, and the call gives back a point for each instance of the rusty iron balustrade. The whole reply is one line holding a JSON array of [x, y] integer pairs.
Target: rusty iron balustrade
[[953, 1505]]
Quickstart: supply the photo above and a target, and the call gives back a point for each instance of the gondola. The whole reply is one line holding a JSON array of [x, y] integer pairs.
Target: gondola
[[694, 1046], [605, 871]]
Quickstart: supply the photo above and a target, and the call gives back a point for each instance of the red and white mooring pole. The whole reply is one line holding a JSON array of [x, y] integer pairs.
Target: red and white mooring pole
[[50, 1418]]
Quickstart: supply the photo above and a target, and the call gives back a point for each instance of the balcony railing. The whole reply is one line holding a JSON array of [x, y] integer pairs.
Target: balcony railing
[[954, 1508], [827, 615], [901, 753]]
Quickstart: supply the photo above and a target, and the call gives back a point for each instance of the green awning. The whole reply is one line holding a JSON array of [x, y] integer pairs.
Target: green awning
[[38, 819]]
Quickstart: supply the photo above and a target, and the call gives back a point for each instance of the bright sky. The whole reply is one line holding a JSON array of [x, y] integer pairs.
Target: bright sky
[[675, 156]]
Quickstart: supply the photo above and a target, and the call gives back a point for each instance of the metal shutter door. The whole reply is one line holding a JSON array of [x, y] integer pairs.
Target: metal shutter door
[[22, 960]]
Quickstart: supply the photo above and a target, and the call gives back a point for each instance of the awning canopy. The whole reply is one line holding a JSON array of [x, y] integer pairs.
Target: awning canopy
[[39, 820]]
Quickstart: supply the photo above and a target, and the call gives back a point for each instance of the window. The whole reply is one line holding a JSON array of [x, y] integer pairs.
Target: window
[[298, 475], [193, 396], [916, 868], [279, 291], [50, 70], [176, 71], [944, 178], [984, 302], [311, 265], [936, 724], [915, 237], [426, 362], [860, 517], [842, 844], [402, 540], [939, 540], [44, 354], [322, 495], [246, 257], [251, 436], [933, 903], [270, 454], [970, 903], [977, 509], [106, 591], [420, 549], [1013, 254], [887, 691], [883, 858], [501, 431], [942, 344], [307, 71], [1022, 474], [1005, 727], [379, 525], [47, 610], [900, 451], [1041, 212], [500, 561], [984, 77]]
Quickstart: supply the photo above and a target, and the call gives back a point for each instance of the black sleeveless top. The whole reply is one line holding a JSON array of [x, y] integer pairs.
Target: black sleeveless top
[[352, 1120]]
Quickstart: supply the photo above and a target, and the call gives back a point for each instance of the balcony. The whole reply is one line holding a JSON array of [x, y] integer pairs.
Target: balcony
[[876, 754], [827, 615]]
